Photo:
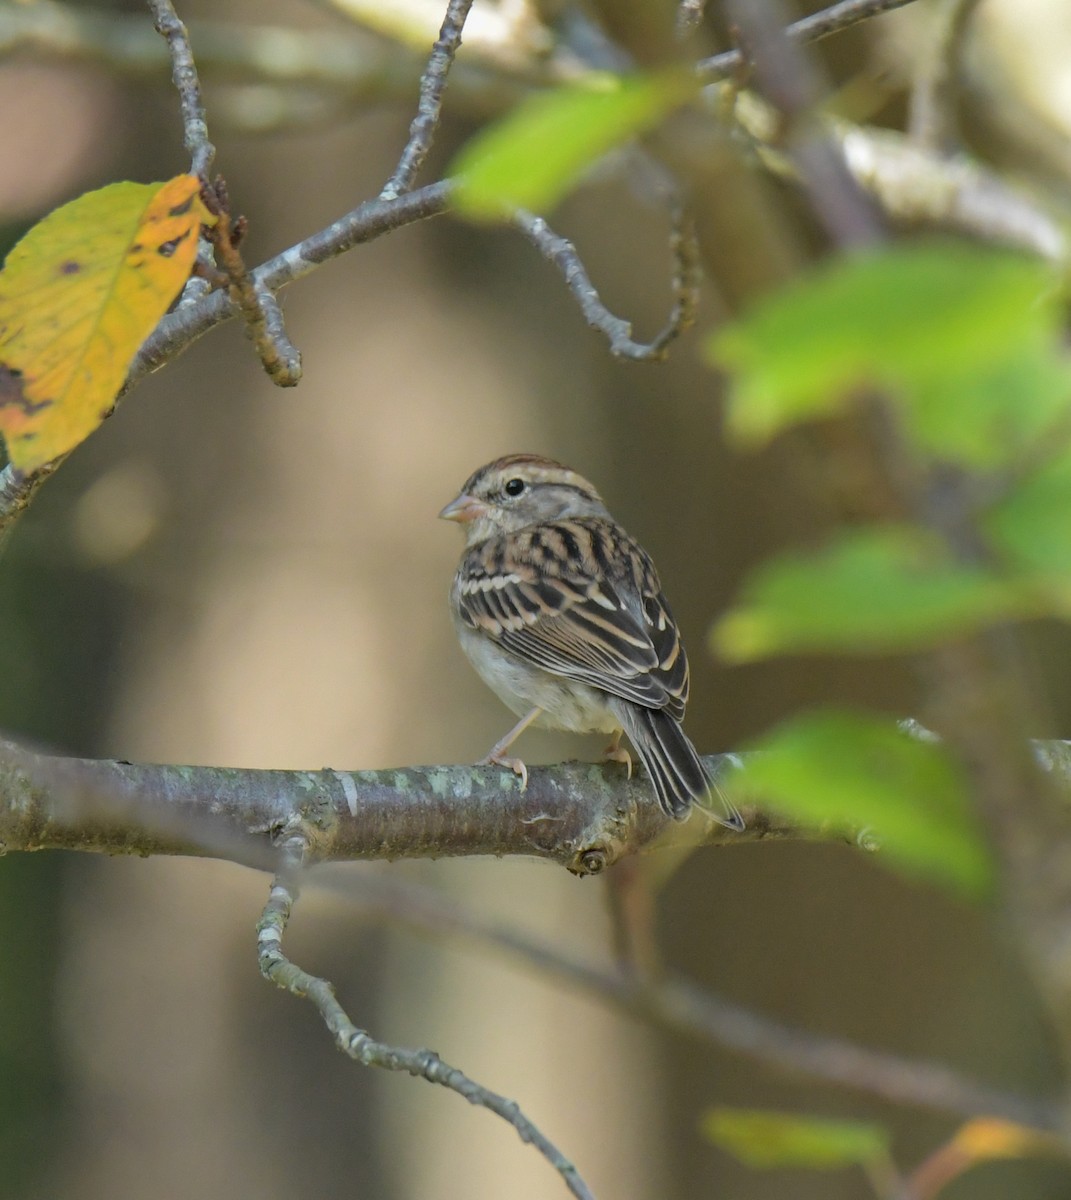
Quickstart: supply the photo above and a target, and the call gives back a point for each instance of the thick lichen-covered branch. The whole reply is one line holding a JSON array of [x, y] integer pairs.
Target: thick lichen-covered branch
[[582, 815]]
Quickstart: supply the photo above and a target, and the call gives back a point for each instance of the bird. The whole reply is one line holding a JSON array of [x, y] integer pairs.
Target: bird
[[562, 614]]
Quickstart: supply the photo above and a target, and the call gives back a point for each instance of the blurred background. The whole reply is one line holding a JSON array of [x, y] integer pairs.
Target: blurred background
[[228, 573]]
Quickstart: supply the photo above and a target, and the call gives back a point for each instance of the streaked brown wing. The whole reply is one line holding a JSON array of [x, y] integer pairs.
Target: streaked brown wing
[[580, 599]]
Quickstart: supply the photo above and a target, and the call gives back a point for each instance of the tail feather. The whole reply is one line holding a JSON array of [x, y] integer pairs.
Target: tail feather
[[676, 771]]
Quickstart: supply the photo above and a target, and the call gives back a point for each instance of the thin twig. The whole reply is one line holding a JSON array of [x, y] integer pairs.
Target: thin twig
[[184, 73], [191, 320], [563, 254], [908, 182], [808, 29], [931, 121], [679, 1006], [363, 1048], [181, 328], [253, 300], [429, 107]]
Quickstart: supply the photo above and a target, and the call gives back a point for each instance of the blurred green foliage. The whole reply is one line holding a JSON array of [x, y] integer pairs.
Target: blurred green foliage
[[961, 344], [532, 157], [879, 589], [761, 1138], [961, 339], [857, 772]]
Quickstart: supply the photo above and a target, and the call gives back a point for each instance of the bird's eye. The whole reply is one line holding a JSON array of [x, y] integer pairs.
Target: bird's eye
[[514, 487]]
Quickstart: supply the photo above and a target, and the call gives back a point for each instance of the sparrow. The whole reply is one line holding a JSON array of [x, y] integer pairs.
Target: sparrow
[[562, 614]]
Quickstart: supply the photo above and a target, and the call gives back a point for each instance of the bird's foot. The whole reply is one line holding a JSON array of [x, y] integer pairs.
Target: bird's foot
[[514, 764], [615, 752]]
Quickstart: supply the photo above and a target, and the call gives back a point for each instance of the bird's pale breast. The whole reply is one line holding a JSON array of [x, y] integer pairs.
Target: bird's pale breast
[[566, 704]]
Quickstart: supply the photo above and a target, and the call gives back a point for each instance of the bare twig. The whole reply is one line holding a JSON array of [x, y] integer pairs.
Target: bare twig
[[191, 319], [363, 1048], [432, 86], [931, 113], [919, 186], [563, 254], [908, 182], [252, 298], [808, 29], [180, 329], [681, 1007], [184, 73]]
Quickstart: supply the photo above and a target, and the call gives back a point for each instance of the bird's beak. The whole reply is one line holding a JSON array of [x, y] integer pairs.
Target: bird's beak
[[464, 509]]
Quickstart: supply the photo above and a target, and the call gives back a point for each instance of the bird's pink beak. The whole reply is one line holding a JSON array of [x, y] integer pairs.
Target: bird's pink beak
[[464, 509]]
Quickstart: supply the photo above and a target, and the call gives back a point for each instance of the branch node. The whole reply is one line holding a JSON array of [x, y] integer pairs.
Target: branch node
[[592, 861], [251, 296], [429, 107]]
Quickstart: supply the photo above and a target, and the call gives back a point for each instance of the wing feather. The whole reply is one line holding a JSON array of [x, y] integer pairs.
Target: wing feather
[[580, 599]]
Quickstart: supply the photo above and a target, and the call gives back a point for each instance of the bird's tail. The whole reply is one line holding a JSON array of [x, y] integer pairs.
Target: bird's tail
[[675, 768]]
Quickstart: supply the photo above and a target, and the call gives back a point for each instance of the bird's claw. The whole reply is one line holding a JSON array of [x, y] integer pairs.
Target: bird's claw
[[514, 764], [615, 752]]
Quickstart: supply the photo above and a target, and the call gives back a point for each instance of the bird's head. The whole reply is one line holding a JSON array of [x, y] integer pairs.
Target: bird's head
[[519, 490]]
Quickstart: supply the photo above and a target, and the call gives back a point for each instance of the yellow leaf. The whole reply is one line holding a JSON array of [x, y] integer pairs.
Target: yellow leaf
[[78, 295], [990, 1137]]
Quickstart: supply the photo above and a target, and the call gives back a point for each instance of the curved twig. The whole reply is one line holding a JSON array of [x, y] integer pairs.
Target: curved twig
[[363, 1048]]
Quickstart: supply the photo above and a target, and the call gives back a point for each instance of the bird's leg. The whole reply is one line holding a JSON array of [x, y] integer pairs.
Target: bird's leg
[[615, 752], [497, 753]]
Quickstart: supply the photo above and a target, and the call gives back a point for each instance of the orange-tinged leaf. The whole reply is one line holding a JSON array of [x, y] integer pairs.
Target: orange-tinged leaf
[[980, 1140], [78, 295], [990, 1137]]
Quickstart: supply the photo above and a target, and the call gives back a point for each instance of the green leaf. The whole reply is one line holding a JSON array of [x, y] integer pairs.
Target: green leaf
[[881, 590], [533, 156], [996, 411], [1031, 528], [760, 1138], [853, 772], [926, 322]]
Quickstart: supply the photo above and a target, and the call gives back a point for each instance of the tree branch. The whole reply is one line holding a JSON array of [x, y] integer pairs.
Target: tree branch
[[908, 183], [679, 1006], [585, 816], [930, 112], [618, 332], [808, 29], [188, 86], [582, 815], [429, 106], [363, 1048]]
